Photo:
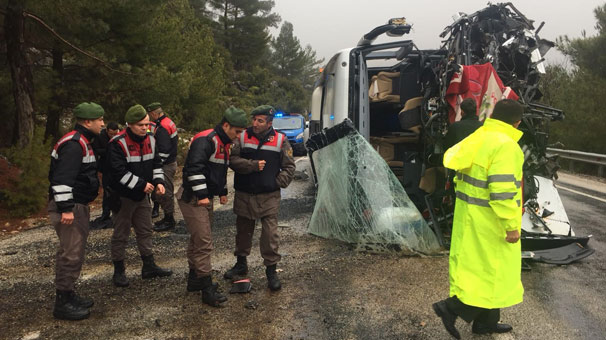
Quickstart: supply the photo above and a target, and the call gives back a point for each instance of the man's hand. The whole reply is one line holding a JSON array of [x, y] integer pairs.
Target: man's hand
[[223, 199], [261, 164], [149, 188], [512, 236], [67, 217], [160, 189], [205, 202]]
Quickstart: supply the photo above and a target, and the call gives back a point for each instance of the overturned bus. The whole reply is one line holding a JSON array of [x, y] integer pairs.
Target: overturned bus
[[401, 100]]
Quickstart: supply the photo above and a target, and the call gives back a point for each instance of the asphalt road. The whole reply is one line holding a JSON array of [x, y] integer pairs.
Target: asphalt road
[[330, 291]]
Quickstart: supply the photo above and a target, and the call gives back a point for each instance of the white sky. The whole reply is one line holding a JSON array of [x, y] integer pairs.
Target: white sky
[[332, 25]]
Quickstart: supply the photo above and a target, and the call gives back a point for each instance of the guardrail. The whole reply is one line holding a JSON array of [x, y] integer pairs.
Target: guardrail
[[580, 156]]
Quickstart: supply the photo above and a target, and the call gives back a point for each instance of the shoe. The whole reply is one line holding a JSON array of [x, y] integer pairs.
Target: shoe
[[82, 301], [479, 328], [151, 270], [166, 224], [448, 318], [239, 269], [119, 279], [156, 210], [194, 283], [66, 309], [272, 278], [210, 296]]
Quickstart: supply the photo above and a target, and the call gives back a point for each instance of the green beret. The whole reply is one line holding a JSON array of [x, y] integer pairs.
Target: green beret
[[153, 106], [236, 117], [135, 114], [88, 111], [267, 110]]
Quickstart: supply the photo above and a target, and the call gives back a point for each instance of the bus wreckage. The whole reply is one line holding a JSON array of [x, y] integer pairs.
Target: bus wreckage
[[378, 120]]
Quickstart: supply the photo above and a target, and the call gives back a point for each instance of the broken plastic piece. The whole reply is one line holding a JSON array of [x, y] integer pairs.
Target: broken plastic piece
[[241, 286]]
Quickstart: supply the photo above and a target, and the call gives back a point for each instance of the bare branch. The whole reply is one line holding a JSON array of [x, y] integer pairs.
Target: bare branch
[[52, 31]]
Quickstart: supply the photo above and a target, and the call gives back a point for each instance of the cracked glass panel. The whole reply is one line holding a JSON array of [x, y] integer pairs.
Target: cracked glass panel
[[361, 201]]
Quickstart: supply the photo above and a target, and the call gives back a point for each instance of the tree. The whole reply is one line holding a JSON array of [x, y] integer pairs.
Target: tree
[[579, 92], [21, 73], [291, 60], [241, 26]]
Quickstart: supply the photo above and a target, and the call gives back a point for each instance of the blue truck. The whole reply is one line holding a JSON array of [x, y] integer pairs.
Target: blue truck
[[293, 126]]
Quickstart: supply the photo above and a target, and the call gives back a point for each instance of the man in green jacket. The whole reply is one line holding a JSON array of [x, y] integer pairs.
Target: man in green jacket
[[484, 263]]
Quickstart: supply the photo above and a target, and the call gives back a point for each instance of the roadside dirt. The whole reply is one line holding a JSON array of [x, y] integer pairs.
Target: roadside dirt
[[329, 290]]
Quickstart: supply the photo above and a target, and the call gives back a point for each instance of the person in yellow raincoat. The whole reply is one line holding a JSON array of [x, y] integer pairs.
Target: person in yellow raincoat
[[485, 263]]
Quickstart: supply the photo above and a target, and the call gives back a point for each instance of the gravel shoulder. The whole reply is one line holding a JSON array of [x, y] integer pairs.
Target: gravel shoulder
[[330, 291]]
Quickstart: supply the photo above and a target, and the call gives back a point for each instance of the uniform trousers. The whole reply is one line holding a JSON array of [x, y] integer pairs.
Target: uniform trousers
[[469, 313], [198, 220], [72, 241], [137, 215], [167, 201], [249, 208]]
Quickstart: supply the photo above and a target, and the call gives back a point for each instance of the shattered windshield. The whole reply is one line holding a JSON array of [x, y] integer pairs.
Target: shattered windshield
[[361, 201]]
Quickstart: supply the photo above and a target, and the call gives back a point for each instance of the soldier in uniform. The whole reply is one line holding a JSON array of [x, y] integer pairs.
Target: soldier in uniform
[[166, 143], [73, 184], [204, 177], [100, 147], [135, 170], [262, 161]]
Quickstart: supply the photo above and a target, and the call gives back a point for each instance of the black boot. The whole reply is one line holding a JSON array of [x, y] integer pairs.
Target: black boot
[[210, 296], [156, 210], [479, 328], [151, 270], [448, 318], [239, 269], [119, 277], [272, 278], [67, 309], [194, 283], [82, 301], [167, 223]]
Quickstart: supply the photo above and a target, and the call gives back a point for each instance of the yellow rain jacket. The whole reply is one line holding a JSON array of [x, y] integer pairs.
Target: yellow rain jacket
[[485, 270]]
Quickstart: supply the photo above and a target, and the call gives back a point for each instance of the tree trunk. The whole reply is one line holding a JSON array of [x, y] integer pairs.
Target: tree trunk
[[57, 104], [21, 73]]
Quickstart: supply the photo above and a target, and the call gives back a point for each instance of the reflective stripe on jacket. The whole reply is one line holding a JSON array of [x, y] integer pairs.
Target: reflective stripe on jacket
[[485, 270], [167, 139], [205, 169], [73, 170], [268, 149], [133, 163]]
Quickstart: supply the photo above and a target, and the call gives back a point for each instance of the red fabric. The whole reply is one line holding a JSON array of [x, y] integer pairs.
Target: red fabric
[[479, 82]]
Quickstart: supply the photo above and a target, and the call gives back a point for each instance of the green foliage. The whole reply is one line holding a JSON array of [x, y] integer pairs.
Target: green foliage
[[242, 28], [292, 61], [28, 194], [580, 92]]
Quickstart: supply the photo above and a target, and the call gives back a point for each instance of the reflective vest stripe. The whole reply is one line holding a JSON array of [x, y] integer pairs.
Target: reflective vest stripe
[[195, 177], [63, 197], [504, 179], [473, 200], [198, 187], [61, 188], [491, 179], [88, 154], [501, 196]]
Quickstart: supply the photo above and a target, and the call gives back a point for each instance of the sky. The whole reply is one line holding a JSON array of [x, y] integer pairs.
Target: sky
[[331, 25]]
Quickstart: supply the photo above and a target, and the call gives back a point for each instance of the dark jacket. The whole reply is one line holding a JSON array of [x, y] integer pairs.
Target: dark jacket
[[458, 131], [100, 147], [274, 148], [166, 139], [132, 162], [73, 170], [205, 169]]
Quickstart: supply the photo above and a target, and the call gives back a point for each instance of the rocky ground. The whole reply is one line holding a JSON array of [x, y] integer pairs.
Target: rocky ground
[[330, 291]]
